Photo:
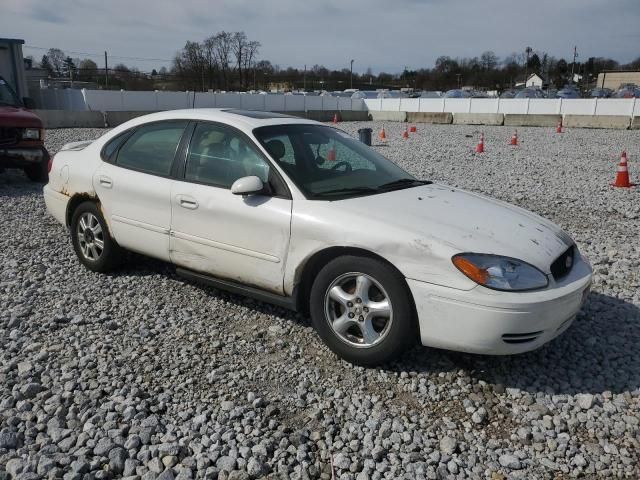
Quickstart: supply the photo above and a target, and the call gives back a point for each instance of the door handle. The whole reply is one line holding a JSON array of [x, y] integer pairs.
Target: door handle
[[187, 202], [105, 181]]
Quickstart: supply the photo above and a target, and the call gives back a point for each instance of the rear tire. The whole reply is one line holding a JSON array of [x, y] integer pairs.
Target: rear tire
[[362, 309], [38, 172], [91, 240]]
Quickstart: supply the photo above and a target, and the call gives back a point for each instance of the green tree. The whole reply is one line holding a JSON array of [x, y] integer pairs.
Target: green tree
[[88, 70], [45, 64]]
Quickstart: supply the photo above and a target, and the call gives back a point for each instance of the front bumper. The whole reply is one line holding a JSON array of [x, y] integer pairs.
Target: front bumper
[[499, 323], [20, 157]]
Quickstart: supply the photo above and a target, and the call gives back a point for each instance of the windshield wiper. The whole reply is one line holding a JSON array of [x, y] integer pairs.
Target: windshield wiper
[[346, 190], [402, 182]]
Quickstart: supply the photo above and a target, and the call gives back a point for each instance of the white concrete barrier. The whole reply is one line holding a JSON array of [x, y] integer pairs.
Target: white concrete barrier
[[478, 118], [596, 121]]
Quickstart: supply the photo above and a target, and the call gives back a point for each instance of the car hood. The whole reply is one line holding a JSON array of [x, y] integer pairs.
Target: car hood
[[18, 117], [465, 222]]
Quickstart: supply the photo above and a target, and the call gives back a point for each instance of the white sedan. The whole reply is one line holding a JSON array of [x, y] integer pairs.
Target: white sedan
[[298, 213]]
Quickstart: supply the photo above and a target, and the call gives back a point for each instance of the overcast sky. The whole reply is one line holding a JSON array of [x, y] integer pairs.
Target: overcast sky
[[382, 34]]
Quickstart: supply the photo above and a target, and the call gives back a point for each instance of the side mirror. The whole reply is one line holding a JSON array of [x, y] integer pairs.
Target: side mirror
[[247, 186], [29, 103]]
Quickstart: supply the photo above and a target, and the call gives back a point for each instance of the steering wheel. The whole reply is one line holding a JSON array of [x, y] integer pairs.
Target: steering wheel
[[347, 166]]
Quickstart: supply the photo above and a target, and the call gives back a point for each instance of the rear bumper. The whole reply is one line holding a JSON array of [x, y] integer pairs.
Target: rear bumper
[[20, 157], [498, 323], [56, 204]]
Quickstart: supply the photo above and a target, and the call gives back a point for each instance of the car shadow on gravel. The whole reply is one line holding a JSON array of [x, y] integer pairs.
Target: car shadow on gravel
[[598, 353], [14, 183]]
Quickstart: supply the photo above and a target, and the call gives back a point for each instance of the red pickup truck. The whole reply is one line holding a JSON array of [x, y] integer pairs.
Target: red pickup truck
[[21, 136]]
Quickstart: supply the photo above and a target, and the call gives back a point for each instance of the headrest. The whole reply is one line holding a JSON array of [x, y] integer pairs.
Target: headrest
[[275, 148]]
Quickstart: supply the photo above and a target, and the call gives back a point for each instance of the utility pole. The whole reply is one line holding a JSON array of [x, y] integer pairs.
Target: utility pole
[[106, 72], [304, 79], [528, 51], [351, 74], [573, 66]]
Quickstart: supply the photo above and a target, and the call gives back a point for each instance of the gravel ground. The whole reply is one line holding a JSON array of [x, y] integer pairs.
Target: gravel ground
[[141, 375]]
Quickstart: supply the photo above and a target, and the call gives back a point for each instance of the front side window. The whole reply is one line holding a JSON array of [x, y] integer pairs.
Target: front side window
[[219, 156], [327, 164], [152, 148]]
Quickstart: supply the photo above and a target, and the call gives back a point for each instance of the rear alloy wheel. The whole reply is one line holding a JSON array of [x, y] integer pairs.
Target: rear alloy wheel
[[92, 243], [361, 308]]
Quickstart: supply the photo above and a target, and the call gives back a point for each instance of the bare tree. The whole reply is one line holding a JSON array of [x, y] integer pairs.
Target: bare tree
[[56, 60]]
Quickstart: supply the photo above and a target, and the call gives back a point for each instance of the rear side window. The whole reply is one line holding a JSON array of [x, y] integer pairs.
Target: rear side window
[[152, 148], [109, 150]]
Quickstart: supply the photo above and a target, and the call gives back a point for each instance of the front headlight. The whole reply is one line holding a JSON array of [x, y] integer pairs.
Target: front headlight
[[500, 273], [31, 134]]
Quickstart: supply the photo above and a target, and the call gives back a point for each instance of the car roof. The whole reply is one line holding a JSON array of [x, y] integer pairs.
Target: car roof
[[242, 119]]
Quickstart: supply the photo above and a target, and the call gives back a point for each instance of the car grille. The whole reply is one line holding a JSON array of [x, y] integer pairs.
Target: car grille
[[563, 264], [514, 338], [9, 136]]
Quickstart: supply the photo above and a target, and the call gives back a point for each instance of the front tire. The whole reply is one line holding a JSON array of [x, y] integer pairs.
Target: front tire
[[38, 172], [91, 240], [362, 309]]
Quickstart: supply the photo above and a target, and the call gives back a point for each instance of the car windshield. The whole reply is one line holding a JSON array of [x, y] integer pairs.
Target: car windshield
[[7, 95], [327, 164]]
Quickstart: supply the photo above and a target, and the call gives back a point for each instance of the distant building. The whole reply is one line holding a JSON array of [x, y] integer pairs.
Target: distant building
[[275, 87], [12, 65], [614, 79], [535, 81]]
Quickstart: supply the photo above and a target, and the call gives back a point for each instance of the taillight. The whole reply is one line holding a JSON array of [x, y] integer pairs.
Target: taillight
[[50, 163]]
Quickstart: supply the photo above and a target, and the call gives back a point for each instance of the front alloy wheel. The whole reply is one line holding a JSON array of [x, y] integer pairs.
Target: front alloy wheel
[[358, 309], [362, 309]]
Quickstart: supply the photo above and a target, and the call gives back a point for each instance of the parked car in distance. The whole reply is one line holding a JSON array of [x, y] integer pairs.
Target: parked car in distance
[[600, 93], [627, 91], [457, 93], [530, 93], [569, 91], [300, 214], [508, 94], [430, 94], [21, 135]]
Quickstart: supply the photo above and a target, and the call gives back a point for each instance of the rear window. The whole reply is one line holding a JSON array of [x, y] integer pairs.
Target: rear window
[[152, 148]]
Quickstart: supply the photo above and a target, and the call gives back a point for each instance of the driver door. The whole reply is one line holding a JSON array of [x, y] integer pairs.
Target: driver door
[[244, 239]]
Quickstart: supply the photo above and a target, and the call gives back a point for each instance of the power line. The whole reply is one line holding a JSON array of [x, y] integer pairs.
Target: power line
[[89, 54]]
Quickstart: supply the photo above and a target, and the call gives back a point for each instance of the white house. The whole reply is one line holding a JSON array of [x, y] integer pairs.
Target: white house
[[534, 81]]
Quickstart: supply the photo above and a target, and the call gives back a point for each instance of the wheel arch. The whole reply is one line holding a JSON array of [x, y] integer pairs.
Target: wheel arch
[[319, 259], [75, 201]]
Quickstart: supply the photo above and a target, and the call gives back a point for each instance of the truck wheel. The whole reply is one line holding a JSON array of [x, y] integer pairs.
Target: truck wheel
[[92, 243], [37, 172], [362, 309]]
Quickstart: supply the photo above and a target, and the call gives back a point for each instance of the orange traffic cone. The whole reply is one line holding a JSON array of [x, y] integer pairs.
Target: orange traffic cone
[[413, 129], [383, 135], [405, 134], [514, 138], [335, 118], [331, 156], [480, 146], [559, 127], [622, 176]]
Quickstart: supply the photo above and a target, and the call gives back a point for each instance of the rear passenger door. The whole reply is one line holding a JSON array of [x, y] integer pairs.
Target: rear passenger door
[[241, 238], [134, 186]]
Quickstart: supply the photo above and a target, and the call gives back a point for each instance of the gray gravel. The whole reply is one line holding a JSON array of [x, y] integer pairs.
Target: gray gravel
[[141, 375]]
